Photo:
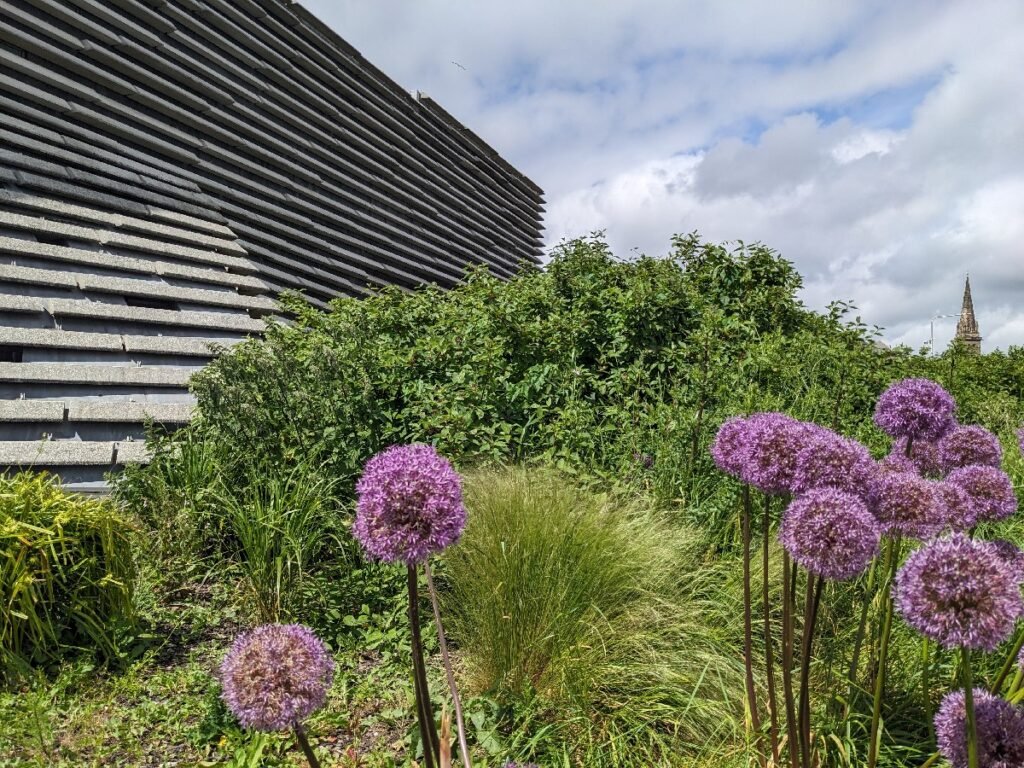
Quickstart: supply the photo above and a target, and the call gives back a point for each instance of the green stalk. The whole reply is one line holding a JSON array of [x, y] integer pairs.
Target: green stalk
[[748, 642], [773, 704], [926, 692], [787, 660], [891, 559], [811, 603], [858, 642], [972, 731], [1011, 661], [424, 710], [307, 750]]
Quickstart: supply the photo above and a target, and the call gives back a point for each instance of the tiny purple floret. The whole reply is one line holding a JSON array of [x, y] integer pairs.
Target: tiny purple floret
[[275, 676], [915, 408], [958, 592], [410, 504]]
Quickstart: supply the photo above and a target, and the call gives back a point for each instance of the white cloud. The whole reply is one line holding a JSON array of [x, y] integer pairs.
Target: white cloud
[[877, 145]]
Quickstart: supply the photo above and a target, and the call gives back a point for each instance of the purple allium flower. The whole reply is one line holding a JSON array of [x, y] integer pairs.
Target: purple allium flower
[[730, 446], [989, 491], [1011, 556], [916, 408], [956, 506], [829, 460], [999, 726], [924, 455], [274, 676], [410, 504], [907, 504], [830, 533], [1020, 439], [773, 442], [969, 445], [958, 592], [897, 462]]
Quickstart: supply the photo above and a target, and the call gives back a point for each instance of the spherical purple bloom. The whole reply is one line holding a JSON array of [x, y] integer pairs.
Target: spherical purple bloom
[[958, 592], [999, 727], [1011, 556], [965, 446], [730, 446], [897, 462], [924, 455], [829, 460], [907, 504], [275, 676], [989, 491], [915, 408], [774, 440], [957, 510], [830, 533], [410, 504]]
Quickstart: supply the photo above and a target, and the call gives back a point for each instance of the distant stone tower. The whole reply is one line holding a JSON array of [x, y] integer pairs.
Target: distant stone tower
[[967, 329]]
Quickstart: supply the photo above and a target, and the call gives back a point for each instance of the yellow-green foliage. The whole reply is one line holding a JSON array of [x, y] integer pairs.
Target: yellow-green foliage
[[66, 571]]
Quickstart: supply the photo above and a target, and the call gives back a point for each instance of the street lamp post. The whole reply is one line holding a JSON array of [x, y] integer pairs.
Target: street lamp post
[[931, 338]]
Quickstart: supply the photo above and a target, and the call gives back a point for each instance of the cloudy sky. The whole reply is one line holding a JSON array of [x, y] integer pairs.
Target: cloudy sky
[[877, 144]]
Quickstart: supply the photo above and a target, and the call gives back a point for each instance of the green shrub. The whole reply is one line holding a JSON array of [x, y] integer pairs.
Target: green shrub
[[595, 615], [66, 572]]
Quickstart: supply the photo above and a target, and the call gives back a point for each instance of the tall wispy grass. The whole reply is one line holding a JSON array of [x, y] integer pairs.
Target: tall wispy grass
[[595, 619], [66, 572], [281, 522]]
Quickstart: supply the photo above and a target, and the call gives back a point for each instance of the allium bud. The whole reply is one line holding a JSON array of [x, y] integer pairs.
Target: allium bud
[[965, 446], [915, 408], [999, 727], [907, 504], [275, 676], [958, 592], [410, 504], [830, 533], [989, 491]]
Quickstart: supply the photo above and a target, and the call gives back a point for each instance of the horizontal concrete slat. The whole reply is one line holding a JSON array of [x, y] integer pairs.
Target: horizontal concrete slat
[[132, 413], [133, 452], [51, 338], [101, 310], [108, 375], [174, 345], [32, 410], [55, 453]]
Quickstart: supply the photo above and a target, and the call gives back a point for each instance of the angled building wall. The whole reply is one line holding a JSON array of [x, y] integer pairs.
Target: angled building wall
[[167, 167]]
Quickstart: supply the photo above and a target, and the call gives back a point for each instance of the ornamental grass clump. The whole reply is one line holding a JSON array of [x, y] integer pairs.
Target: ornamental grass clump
[[274, 677], [410, 507]]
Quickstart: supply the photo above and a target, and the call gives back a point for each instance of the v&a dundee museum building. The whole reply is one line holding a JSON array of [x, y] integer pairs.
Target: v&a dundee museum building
[[167, 167]]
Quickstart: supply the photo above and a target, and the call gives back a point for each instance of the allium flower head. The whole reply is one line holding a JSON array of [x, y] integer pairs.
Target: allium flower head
[[410, 504], [730, 446], [989, 491], [924, 455], [897, 462], [965, 446], [830, 533], [999, 726], [829, 460], [774, 440], [1011, 556], [957, 510], [958, 592], [915, 408], [275, 676], [907, 504]]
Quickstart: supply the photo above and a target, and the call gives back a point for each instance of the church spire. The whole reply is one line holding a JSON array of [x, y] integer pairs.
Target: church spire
[[967, 328]]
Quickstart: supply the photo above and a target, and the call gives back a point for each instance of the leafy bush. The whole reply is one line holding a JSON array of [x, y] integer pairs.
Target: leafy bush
[[66, 571], [595, 614]]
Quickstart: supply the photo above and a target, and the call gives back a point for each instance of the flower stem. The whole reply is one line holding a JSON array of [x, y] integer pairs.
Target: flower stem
[[1011, 660], [811, 603], [972, 731], [891, 560], [787, 661], [748, 651], [300, 735], [867, 591], [425, 712], [460, 726], [769, 661], [926, 688]]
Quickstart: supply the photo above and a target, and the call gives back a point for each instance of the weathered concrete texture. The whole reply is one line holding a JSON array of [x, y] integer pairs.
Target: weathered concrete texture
[[175, 345], [101, 310], [161, 413], [108, 375], [32, 410], [55, 453], [134, 452], [41, 337]]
